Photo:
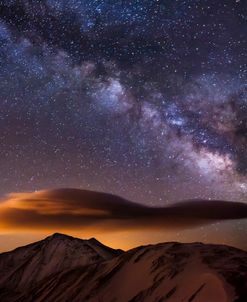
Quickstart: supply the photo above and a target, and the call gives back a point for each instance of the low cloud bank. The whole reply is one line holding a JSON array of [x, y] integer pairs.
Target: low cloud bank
[[72, 209]]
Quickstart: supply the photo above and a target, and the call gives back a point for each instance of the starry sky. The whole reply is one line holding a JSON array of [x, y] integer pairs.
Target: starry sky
[[146, 99]]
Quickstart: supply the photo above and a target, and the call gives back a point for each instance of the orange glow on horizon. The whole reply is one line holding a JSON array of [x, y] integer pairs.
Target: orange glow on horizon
[[29, 217]]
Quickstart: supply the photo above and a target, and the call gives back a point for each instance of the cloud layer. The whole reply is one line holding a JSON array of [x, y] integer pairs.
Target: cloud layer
[[73, 209]]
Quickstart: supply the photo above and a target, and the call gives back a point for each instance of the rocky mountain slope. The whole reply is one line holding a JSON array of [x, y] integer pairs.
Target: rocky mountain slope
[[62, 268], [29, 264]]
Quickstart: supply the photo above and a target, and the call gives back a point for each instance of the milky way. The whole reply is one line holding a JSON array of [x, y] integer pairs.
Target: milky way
[[144, 99]]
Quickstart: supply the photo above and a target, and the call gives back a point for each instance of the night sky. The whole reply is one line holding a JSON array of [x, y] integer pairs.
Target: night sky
[[144, 99]]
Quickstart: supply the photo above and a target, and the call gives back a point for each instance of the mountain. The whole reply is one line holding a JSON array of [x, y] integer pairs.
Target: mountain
[[62, 268], [32, 263]]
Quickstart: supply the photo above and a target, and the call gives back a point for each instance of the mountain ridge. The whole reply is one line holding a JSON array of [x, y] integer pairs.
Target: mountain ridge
[[172, 271], [57, 252]]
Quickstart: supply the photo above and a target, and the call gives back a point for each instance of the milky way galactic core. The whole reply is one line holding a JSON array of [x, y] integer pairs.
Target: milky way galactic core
[[144, 99]]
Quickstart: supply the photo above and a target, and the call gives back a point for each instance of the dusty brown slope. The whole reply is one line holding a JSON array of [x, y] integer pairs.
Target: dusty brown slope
[[164, 272]]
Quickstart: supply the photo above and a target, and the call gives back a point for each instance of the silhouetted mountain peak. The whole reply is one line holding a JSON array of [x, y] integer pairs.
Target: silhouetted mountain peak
[[93, 240], [60, 236], [56, 253]]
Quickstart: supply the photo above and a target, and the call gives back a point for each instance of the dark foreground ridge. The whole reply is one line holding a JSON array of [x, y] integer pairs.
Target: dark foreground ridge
[[62, 268]]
